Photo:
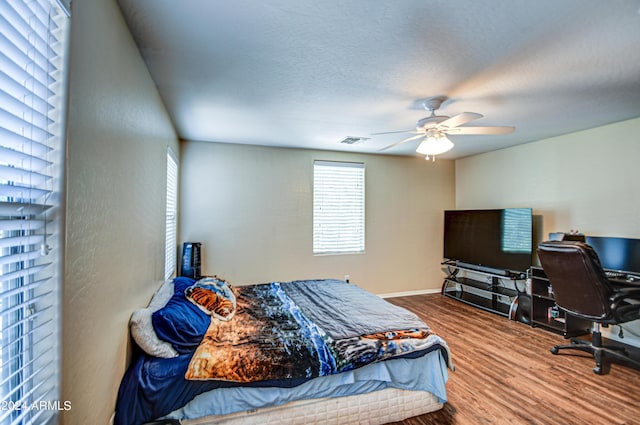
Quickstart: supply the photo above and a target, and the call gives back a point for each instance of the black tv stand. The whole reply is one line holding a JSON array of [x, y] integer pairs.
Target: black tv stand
[[487, 270], [545, 313], [494, 292]]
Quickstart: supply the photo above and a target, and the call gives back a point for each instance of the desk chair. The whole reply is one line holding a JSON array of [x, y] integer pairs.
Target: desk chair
[[582, 289]]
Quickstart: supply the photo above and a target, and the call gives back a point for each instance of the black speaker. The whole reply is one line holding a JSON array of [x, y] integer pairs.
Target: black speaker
[[191, 263], [523, 312]]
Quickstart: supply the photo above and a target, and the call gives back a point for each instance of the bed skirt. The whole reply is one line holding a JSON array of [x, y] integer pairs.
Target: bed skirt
[[375, 408]]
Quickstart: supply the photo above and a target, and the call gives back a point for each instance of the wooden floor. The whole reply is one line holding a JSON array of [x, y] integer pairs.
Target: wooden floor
[[505, 373]]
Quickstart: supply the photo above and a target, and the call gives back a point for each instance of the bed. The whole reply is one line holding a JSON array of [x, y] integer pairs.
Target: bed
[[309, 351]]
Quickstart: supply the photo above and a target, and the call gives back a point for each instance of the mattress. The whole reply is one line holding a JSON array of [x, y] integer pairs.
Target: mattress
[[378, 407]]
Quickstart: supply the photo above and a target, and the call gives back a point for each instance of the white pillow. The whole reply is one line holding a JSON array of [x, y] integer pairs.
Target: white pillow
[[142, 329], [161, 296]]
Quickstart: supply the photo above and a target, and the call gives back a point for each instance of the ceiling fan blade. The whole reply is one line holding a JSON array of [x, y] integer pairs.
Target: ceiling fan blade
[[393, 132], [480, 130], [408, 139], [460, 119]]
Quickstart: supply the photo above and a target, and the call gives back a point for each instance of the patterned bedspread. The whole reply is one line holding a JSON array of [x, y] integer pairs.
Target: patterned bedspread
[[271, 336]]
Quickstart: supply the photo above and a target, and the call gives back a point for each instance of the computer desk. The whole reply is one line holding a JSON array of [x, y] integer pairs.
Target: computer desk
[[624, 279]]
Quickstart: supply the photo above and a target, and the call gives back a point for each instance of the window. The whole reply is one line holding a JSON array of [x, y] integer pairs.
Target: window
[[171, 216], [338, 207], [32, 88]]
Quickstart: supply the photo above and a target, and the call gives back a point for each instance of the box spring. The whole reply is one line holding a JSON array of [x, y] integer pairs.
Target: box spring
[[378, 407]]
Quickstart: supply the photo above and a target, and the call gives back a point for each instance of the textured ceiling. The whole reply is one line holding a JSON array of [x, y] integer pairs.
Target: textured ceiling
[[310, 73]]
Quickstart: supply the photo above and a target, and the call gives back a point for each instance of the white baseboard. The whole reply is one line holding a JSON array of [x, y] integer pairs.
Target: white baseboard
[[409, 293]]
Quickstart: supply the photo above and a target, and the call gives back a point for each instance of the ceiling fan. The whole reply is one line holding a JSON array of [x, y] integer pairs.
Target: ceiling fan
[[434, 128]]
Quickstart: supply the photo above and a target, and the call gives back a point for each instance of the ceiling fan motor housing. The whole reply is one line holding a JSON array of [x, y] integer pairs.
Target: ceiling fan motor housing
[[429, 122]]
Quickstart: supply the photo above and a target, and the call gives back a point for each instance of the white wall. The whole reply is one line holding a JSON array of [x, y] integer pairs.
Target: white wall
[[586, 181], [251, 207], [116, 177]]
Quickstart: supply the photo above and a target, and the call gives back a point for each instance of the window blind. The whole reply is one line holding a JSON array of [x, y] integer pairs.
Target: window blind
[[32, 46], [171, 216], [516, 230], [338, 207]]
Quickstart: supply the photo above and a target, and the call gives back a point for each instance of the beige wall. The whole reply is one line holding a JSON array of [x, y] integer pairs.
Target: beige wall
[[116, 173], [251, 207], [586, 181]]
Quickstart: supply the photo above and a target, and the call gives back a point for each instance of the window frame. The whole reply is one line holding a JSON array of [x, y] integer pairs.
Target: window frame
[[171, 216], [339, 192]]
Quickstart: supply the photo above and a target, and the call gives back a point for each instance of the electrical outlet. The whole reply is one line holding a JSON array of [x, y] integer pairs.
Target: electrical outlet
[[346, 278]]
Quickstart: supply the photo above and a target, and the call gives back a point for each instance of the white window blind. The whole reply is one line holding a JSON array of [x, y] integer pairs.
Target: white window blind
[[32, 46], [516, 230], [338, 207], [171, 217]]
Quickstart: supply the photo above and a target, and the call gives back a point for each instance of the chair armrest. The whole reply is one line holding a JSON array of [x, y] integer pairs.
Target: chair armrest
[[625, 293]]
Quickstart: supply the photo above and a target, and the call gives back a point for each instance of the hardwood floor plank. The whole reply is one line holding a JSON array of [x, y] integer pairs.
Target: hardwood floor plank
[[505, 373]]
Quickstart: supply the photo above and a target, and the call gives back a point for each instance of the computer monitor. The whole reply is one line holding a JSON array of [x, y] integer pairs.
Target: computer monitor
[[617, 254]]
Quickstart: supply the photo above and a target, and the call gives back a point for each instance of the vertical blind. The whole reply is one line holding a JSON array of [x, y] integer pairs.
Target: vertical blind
[[338, 207], [171, 216], [32, 45]]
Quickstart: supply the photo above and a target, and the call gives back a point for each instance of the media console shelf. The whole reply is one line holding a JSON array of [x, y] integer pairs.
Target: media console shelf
[[545, 313], [492, 292]]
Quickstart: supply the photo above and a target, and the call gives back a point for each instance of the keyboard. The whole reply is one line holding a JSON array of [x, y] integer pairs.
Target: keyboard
[[620, 278]]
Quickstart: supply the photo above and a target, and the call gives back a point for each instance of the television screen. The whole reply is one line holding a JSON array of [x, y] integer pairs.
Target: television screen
[[617, 254], [496, 239]]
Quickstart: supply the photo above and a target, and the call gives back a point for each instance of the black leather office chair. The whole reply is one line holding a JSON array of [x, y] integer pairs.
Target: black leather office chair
[[581, 288]]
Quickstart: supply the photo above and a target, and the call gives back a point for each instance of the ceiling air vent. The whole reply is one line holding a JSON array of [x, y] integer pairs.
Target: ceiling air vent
[[353, 140]]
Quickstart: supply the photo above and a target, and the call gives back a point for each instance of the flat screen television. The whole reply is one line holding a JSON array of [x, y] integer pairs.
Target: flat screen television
[[499, 240]]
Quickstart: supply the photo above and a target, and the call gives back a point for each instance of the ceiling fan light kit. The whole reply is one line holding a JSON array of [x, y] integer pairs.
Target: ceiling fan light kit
[[434, 129], [435, 143]]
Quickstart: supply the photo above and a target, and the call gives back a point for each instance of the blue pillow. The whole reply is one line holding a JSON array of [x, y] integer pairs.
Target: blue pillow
[[180, 322], [182, 283]]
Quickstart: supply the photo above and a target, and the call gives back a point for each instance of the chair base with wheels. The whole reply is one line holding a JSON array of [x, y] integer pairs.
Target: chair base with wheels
[[598, 350]]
